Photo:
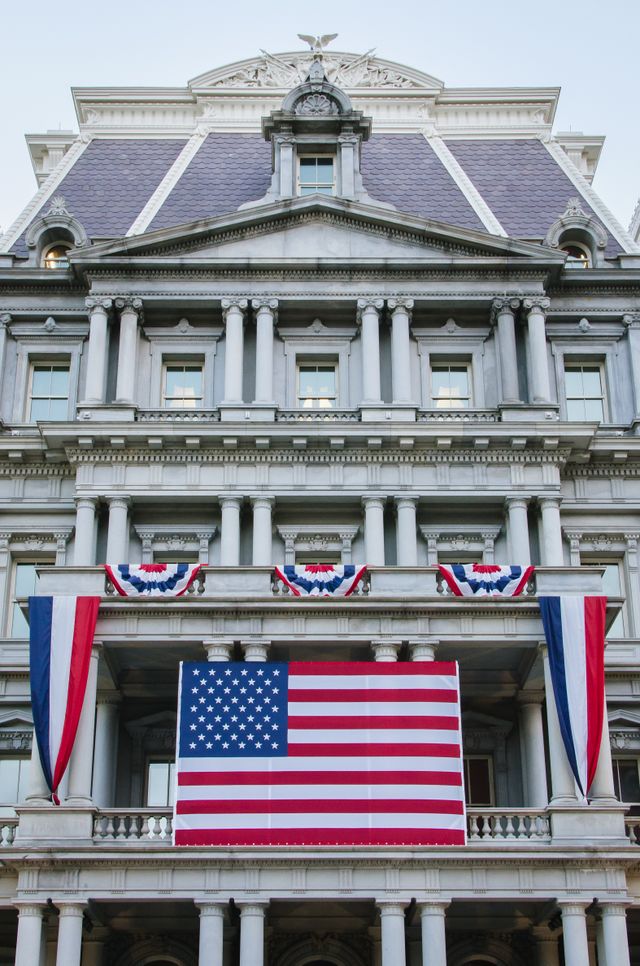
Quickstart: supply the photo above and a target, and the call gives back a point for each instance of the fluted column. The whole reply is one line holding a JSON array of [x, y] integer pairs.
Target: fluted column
[[534, 769], [84, 548], [552, 547], [540, 388], [97, 355], [434, 943], [518, 530], [255, 649], [69, 933], [574, 933], [503, 316], [423, 648], [230, 530], [252, 916], [118, 531], [406, 532], [130, 315], [392, 934], [262, 530], [218, 648], [369, 319], [385, 651], [374, 530], [105, 749], [401, 349], [615, 939], [81, 761], [563, 786], [29, 938], [211, 944], [233, 313], [266, 314]]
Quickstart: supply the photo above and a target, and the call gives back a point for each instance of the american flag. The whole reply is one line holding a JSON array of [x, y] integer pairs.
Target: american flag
[[319, 753]]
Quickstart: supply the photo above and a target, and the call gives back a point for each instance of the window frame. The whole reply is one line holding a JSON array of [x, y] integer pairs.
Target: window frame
[[184, 363], [451, 345], [316, 155], [181, 344], [589, 560], [616, 777], [328, 363], [491, 776], [35, 364], [59, 243], [157, 760], [603, 353], [574, 366], [16, 560], [8, 809], [316, 343], [437, 365]]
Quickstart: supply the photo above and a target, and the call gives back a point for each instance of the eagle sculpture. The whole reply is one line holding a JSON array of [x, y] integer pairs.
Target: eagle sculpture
[[317, 44]]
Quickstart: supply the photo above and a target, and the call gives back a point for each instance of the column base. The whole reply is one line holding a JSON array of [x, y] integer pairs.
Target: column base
[[588, 824], [68, 825], [116, 412]]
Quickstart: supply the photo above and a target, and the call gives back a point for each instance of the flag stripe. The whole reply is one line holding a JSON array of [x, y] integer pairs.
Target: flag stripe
[[62, 624], [573, 632], [319, 820], [315, 836], [40, 619], [332, 793], [595, 610], [315, 763], [315, 777], [334, 670], [321, 712], [371, 694], [391, 723], [341, 806], [378, 750]]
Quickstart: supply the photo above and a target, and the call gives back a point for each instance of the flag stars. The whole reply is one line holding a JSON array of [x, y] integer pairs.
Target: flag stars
[[194, 690], [201, 700]]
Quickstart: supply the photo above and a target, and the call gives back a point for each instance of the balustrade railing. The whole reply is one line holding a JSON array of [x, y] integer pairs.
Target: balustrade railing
[[458, 416], [124, 825], [632, 827], [8, 828], [178, 416], [317, 416], [517, 824]]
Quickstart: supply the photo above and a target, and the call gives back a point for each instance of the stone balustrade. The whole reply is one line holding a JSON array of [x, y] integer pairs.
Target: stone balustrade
[[126, 825], [516, 824]]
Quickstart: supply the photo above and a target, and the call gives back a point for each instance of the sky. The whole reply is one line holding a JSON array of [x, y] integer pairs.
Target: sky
[[586, 47]]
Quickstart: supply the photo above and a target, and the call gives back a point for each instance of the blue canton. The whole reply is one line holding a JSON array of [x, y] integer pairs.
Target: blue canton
[[234, 710]]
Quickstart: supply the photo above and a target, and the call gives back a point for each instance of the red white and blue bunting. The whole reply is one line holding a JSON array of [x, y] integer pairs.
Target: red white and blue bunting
[[321, 580], [486, 580], [152, 579]]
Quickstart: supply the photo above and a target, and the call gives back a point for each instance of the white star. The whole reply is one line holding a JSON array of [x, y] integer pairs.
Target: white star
[[201, 718], [209, 708], [275, 710], [258, 707], [201, 700], [225, 744], [209, 727], [235, 682], [267, 700], [227, 690], [242, 727], [194, 707], [218, 737], [234, 717], [276, 673], [258, 690], [212, 673], [218, 700], [274, 727], [250, 717], [234, 737], [227, 670], [241, 745], [267, 718], [209, 744], [250, 737], [258, 727], [234, 700], [192, 745], [200, 737], [251, 681], [244, 671], [225, 727], [243, 690], [258, 744], [267, 680], [204, 682], [226, 708], [193, 727], [217, 718], [196, 671], [260, 672], [274, 744], [243, 708], [194, 690], [275, 691], [250, 700], [210, 690]]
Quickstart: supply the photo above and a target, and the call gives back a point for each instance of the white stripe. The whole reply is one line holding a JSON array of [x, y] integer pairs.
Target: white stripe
[[573, 638], [318, 820], [168, 183], [363, 682], [63, 621], [283, 793], [352, 709], [309, 763], [374, 736]]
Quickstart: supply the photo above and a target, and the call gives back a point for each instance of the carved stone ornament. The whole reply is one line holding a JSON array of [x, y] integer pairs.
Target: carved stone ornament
[[601, 542], [316, 104], [58, 205], [49, 325]]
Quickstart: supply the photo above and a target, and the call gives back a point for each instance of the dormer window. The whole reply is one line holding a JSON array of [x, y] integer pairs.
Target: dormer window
[[316, 175], [56, 255], [578, 255]]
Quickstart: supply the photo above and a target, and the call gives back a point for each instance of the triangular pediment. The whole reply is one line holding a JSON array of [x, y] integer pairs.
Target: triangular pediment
[[318, 229]]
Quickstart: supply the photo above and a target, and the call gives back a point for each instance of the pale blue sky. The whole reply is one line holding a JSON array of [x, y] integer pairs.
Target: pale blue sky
[[587, 47]]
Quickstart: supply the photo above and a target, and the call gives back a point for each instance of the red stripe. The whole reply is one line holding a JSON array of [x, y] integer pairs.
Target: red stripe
[[527, 573], [371, 750], [594, 623], [373, 669], [371, 695], [452, 582], [306, 836], [83, 631], [192, 778], [373, 722], [338, 806]]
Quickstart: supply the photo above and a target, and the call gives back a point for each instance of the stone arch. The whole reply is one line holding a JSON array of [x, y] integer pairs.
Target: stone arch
[[158, 952], [315, 951], [56, 225], [484, 951], [575, 225]]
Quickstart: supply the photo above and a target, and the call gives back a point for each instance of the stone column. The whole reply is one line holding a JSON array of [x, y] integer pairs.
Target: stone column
[[233, 312], [211, 945], [130, 315], [29, 938], [252, 915], [615, 940], [287, 180], [423, 648], [386, 651], [369, 319], [632, 323], [540, 388], [118, 532], [97, 356], [406, 532], [552, 549], [518, 530], [633, 599], [81, 761], [93, 951], [105, 749], [69, 933], [5, 322], [534, 771], [563, 786], [401, 349], [262, 530], [374, 530], [602, 787], [266, 315], [348, 165], [434, 944], [503, 316], [392, 934], [574, 933], [218, 648], [547, 948], [230, 530], [84, 549], [255, 649], [39, 793]]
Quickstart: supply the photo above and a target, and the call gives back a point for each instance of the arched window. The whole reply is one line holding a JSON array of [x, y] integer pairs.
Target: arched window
[[56, 255], [579, 255]]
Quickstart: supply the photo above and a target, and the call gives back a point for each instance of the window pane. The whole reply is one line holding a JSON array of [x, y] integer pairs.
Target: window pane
[[60, 381], [478, 781], [158, 784], [41, 381], [573, 382], [58, 409], [576, 410], [25, 581], [593, 410], [9, 780], [591, 381], [629, 784]]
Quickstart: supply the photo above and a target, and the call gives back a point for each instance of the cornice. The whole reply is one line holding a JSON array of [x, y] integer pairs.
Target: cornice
[[630, 470], [35, 469]]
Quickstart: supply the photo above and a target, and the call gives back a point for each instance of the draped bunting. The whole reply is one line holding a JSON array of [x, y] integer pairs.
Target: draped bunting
[[486, 580], [152, 580], [321, 580]]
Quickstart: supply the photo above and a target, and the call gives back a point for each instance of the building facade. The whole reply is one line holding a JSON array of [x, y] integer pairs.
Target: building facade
[[318, 307]]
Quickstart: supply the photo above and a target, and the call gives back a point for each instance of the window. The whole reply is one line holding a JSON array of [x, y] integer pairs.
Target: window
[[478, 780], [160, 784], [316, 176], [450, 387], [584, 392], [579, 256], [14, 772], [612, 584], [56, 255], [49, 391], [317, 386], [25, 581], [626, 779], [182, 386]]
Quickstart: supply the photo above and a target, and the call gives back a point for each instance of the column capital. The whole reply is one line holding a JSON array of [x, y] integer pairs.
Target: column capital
[[111, 698], [631, 321], [404, 501], [255, 649], [433, 908], [386, 650], [374, 500], [545, 501], [71, 908], [538, 303], [613, 908], [573, 907], [218, 648], [29, 907], [423, 648], [101, 305], [265, 305], [252, 907], [262, 502], [208, 908], [503, 306], [229, 499], [391, 907], [517, 501], [400, 305], [86, 502], [118, 500], [130, 304], [369, 305], [233, 305]]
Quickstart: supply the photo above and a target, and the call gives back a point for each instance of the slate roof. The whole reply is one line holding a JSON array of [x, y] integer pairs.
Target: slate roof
[[228, 170], [522, 184], [403, 170], [111, 182]]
